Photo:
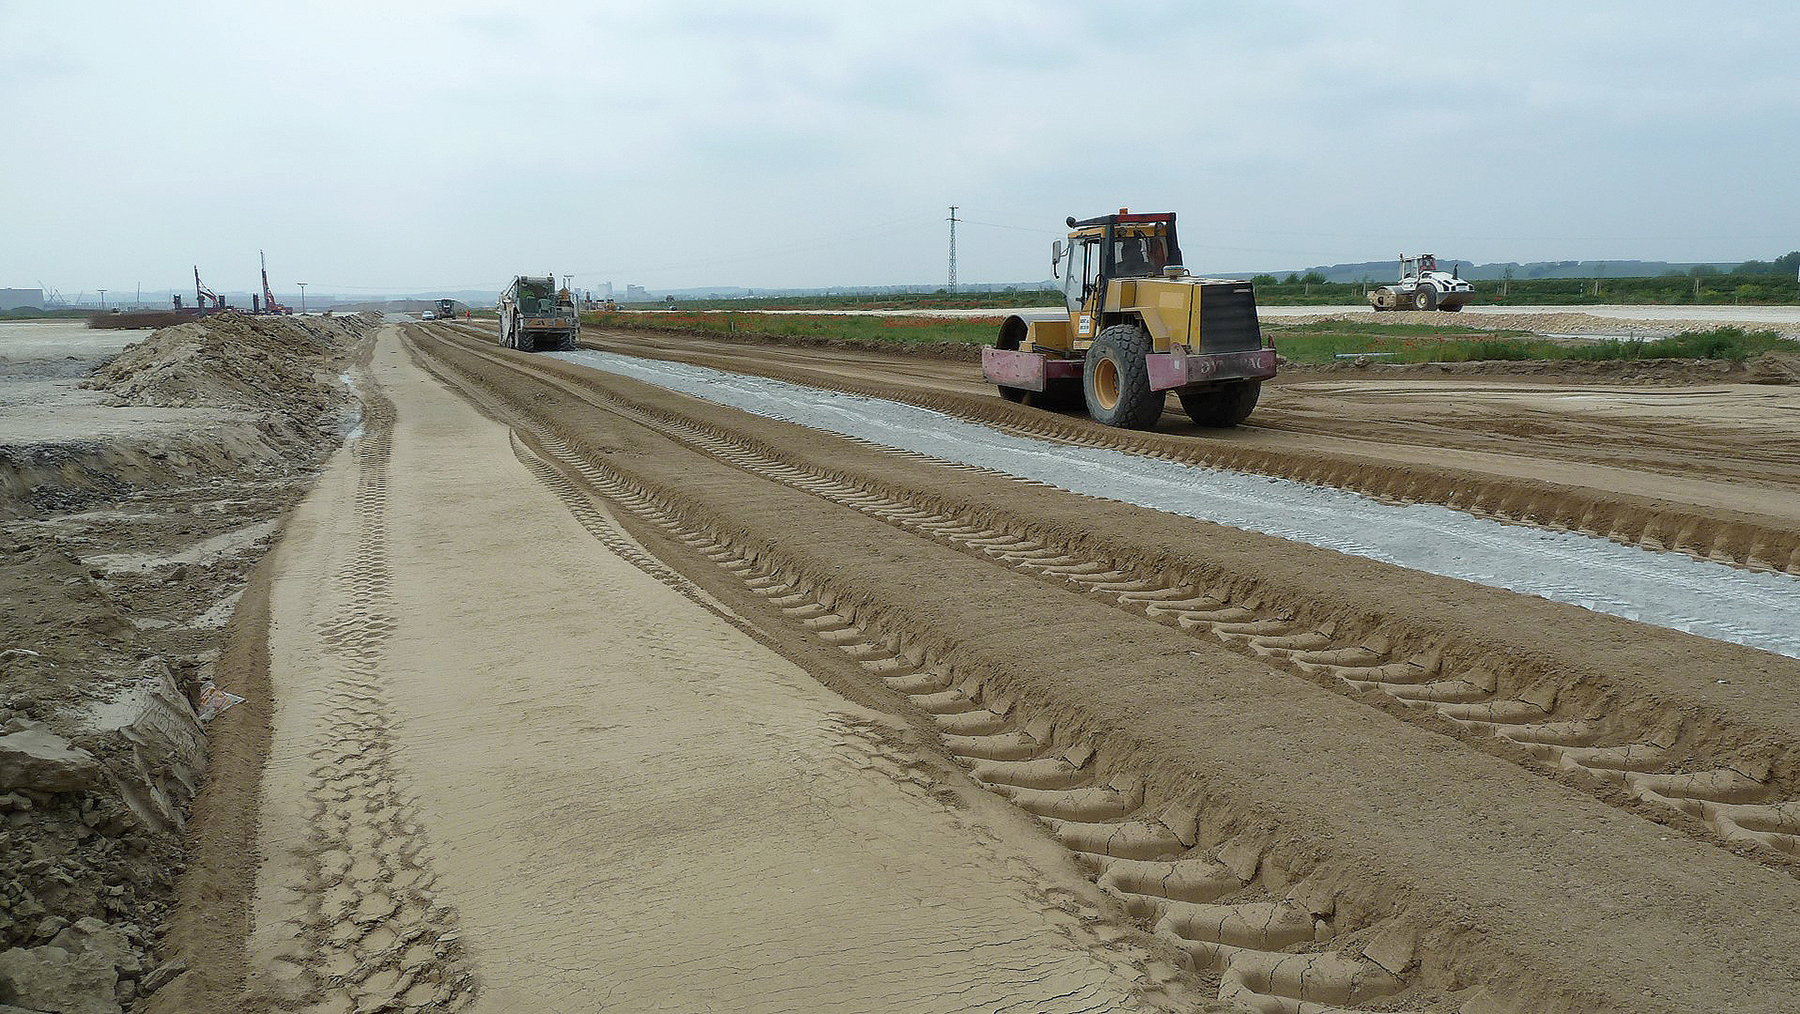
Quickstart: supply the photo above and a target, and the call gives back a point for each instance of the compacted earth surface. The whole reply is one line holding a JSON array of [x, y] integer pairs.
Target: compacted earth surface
[[680, 674]]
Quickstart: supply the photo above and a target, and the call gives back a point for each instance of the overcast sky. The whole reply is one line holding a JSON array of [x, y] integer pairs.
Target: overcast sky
[[399, 147]]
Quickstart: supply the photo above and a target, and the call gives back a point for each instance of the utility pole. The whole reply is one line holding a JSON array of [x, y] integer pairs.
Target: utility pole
[[952, 286], [102, 298], [302, 296]]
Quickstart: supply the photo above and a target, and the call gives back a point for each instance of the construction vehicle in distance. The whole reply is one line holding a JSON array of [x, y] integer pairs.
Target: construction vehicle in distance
[[202, 294], [446, 309], [268, 294], [1136, 326], [535, 315], [1422, 287]]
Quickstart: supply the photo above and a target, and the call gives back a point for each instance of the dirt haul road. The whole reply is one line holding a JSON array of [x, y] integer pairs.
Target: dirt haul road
[[593, 696], [462, 810]]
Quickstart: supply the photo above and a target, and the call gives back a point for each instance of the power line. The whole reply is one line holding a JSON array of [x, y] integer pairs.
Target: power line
[[1013, 228], [763, 253]]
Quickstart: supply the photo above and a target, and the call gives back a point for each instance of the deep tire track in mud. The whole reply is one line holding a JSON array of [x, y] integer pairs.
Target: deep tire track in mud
[[371, 933], [1606, 740], [1230, 891], [1735, 538]]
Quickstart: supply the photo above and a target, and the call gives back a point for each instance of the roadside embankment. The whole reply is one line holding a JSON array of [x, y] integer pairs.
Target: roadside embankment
[[134, 504], [1767, 368]]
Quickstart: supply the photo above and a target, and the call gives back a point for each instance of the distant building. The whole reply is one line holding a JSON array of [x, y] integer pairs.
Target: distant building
[[636, 294], [605, 291], [13, 298]]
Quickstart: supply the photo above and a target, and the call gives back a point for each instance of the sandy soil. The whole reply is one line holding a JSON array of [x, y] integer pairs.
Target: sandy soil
[[573, 693], [463, 810], [1700, 468], [131, 517], [1711, 443], [1326, 781]]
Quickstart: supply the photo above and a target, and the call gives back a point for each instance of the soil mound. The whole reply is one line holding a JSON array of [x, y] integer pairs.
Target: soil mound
[[213, 396], [123, 549], [1773, 368], [133, 319], [262, 364]]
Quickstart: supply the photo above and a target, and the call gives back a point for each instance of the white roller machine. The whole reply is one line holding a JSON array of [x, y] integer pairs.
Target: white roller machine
[[1422, 287]]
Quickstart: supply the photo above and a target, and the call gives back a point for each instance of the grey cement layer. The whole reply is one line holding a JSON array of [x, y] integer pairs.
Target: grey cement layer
[[1665, 589]]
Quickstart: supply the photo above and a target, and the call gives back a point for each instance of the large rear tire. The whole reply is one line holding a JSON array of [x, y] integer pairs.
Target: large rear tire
[[1424, 297], [1223, 407], [1116, 380], [1452, 309]]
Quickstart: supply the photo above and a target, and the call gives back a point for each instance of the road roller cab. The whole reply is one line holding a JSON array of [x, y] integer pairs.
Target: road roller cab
[[1135, 325]]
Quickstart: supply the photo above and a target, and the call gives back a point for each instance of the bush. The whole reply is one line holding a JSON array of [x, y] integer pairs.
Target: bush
[[1729, 343]]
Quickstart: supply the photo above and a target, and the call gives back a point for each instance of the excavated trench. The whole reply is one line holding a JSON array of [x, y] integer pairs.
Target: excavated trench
[[1304, 851]]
